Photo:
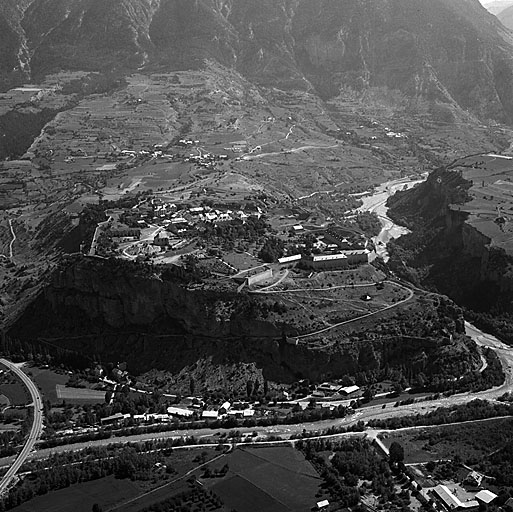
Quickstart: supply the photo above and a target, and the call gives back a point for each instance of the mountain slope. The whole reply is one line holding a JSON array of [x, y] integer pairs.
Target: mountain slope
[[448, 51], [14, 57]]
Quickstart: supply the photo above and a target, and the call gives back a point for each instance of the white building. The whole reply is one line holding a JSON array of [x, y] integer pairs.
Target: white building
[[178, 411], [327, 261]]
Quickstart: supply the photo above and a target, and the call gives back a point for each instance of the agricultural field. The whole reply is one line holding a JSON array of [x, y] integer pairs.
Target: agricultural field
[[266, 480], [183, 462], [81, 497], [79, 395]]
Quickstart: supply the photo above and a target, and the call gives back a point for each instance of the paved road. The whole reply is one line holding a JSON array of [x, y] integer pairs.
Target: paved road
[[35, 432]]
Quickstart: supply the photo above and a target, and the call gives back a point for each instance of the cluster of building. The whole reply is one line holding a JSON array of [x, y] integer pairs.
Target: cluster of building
[[334, 248], [205, 160], [167, 213], [450, 500], [175, 412], [327, 261], [330, 388]]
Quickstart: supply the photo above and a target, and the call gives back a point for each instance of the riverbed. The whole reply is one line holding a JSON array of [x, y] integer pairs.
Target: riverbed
[[377, 203]]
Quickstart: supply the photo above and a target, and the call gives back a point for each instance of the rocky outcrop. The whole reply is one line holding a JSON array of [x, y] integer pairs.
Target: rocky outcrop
[[447, 252], [124, 312]]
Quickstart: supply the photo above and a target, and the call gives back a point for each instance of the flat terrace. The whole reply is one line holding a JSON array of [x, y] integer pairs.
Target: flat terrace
[[491, 207]]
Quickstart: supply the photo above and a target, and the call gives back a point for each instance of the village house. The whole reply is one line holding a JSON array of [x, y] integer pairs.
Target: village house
[[348, 390]]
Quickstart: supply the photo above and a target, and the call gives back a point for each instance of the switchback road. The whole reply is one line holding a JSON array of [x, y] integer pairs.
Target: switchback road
[[35, 431]]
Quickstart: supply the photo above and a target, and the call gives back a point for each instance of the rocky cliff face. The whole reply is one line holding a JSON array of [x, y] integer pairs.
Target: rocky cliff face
[[15, 55], [450, 51], [97, 308], [447, 252]]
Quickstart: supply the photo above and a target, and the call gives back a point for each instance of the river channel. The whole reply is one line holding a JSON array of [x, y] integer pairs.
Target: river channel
[[377, 203]]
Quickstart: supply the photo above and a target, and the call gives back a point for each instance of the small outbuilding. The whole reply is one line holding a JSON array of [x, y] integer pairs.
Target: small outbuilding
[[321, 505]]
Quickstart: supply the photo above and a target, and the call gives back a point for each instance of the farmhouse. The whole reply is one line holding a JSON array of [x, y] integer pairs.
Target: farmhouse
[[328, 388], [322, 504], [348, 390]]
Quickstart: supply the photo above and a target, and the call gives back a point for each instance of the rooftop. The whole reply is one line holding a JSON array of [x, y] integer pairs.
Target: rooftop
[[329, 257], [485, 496], [451, 501]]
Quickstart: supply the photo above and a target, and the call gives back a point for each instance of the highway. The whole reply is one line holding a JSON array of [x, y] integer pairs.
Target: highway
[[35, 432]]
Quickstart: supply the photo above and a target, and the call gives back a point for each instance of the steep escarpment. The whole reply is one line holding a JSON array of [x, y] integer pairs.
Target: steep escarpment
[[455, 249], [445, 51], [118, 311]]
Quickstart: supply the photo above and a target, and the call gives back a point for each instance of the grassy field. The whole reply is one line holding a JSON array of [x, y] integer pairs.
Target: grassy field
[[266, 480], [242, 495], [471, 441], [241, 261], [13, 389], [332, 297], [80, 498], [47, 380], [491, 189]]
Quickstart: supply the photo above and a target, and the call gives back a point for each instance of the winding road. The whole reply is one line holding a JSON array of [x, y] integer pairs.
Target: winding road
[[35, 431], [11, 252]]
